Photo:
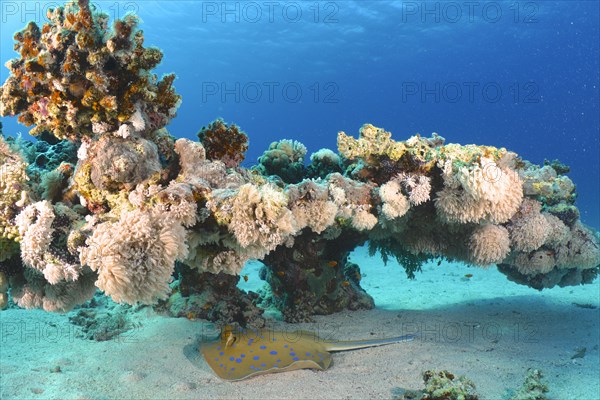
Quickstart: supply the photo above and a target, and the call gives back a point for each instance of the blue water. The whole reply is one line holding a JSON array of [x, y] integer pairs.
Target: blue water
[[523, 75]]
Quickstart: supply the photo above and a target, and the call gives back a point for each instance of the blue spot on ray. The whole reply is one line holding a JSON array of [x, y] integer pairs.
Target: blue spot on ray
[[263, 347], [295, 358], [307, 354], [238, 360], [292, 354], [231, 358], [273, 352], [263, 365], [256, 357], [285, 345], [243, 355], [222, 353]]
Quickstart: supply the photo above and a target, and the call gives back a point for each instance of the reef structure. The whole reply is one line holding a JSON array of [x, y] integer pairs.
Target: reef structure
[[107, 199]]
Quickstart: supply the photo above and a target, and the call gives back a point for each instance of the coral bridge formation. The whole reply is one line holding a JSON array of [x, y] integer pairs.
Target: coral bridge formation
[[108, 199]]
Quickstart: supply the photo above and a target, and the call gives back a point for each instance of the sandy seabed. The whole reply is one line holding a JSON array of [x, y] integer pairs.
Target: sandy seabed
[[484, 327]]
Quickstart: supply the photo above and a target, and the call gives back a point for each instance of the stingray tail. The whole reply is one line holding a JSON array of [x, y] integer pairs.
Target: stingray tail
[[361, 344]]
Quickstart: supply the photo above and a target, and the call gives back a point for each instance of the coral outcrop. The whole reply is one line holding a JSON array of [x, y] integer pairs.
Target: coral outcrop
[[107, 199], [75, 78], [534, 388], [441, 385], [315, 277], [213, 297]]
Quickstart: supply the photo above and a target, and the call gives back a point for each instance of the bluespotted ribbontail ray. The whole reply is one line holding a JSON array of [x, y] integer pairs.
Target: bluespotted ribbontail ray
[[239, 355]]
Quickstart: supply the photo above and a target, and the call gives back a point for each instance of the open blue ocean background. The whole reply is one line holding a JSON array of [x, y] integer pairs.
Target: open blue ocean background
[[522, 75]]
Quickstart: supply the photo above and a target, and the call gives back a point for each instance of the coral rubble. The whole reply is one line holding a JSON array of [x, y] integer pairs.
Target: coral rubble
[[107, 198]]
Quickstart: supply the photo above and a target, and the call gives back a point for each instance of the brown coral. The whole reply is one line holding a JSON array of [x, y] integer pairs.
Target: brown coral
[[224, 142]]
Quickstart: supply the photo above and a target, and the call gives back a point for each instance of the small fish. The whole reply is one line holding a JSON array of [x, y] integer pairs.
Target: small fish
[[332, 263], [241, 354], [468, 276], [439, 262], [281, 273], [345, 283], [245, 278]]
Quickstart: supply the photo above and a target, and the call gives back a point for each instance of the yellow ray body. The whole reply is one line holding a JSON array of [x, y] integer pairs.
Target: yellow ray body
[[243, 354]]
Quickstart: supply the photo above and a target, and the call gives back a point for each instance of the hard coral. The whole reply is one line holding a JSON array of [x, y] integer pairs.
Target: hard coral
[[533, 388], [223, 142], [441, 385], [548, 185], [74, 78], [376, 157], [372, 142], [120, 164], [324, 162], [284, 159]]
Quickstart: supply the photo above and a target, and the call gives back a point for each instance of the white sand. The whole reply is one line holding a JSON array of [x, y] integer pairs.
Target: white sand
[[486, 328]]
